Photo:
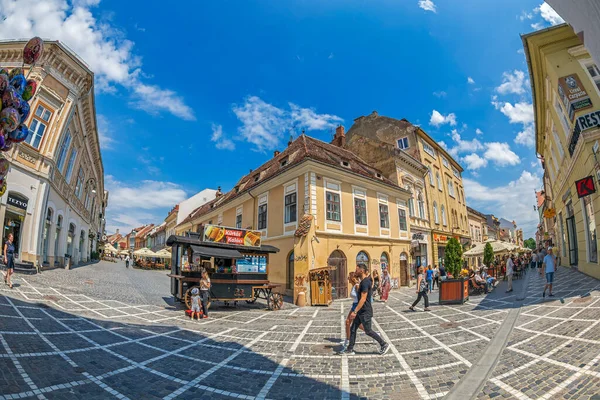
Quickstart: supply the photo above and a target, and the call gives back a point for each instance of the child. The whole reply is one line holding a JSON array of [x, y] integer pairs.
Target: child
[[196, 304]]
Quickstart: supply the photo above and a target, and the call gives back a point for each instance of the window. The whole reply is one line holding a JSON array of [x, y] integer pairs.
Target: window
[[439, 180], [445, 162], [450, 188], [429, 149], [421, 204], [458, 195], [362, 258], [563, 241], [554, 159], [262, 216], [557, 140], [62, 151], [402, 219], [594, 72], [456, 173], [360, 211], [430, 176], [290, 270], [444, 222], [333, 206], [590, 229], [79, 186], [238, 219], [70, 165], [561, 115], [86, 203], [403, 143], [38, 126], [384, 220], [435, 213], [290, 208], [411, 207]]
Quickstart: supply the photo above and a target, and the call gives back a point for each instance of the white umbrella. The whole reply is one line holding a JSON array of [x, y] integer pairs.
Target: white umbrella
[[498, 247], [164, 253], [108, 248], [144, 252], [124, 252]]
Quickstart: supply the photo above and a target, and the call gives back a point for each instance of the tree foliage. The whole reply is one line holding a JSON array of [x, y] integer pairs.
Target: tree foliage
[[529, 243], [488, 254], [453, 258]]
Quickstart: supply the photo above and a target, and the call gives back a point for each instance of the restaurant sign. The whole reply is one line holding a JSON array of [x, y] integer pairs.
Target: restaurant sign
[[440, 238], [573, 95], [550, 213], [224, 235], [585, 186], [582, 123]]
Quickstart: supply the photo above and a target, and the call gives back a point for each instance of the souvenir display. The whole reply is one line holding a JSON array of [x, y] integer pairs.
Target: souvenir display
[[19, 82], [20, 134], [9, 119]]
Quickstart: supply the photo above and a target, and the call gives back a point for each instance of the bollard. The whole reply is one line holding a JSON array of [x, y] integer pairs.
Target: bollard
[[301, 300]]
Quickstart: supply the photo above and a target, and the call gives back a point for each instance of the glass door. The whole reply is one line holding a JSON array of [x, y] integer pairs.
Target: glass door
[[572, 234]]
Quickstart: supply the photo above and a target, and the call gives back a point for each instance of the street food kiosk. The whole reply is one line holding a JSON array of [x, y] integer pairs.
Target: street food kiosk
[[235, 259]]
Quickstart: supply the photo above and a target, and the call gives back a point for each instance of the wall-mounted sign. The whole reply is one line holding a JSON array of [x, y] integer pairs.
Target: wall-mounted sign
[[583, 123], [418, 236], [550, 213], [18, 202], [573, 95], [585, 186], [240, 237], [440, 238]]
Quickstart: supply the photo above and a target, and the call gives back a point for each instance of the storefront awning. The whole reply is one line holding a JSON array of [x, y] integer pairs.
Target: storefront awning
[[216, 252]]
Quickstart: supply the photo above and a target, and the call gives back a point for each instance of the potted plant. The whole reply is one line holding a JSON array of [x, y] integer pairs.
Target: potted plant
[[456, 289]]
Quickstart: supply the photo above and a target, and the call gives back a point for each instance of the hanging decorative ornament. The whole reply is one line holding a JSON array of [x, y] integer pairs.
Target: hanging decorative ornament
[[3, 188], [3, 82], [4, 164], [7, 145], [10, 98], [30, 89], [14, 72], [3, 71], [2, 141], [33, 50], [9, 119], [19, 82], [19, 134], [24, 111]]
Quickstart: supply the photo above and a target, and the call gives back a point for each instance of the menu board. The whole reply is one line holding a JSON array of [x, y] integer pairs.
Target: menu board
[[239, 237], [252, 264]]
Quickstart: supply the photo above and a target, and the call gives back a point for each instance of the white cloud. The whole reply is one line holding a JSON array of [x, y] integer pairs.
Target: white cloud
[[525, 15], [474, 161], [264, 124], [513, 201], [222, 142], [537, 26], [548, 14], [440, 94], [513, 83], [520, 51], [427, 5], [478, 131], [438, 119], [104, 133], [103, 47], [463, 146], [527, 136], [500, 154], [520, 113], [470, 81]]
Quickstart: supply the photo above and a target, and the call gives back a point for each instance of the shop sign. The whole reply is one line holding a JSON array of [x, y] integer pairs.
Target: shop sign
[[17, 202], [573, 95], [585, 186], [224, 235], [550, 213], [584, 122], [440, 238], [418, 236]]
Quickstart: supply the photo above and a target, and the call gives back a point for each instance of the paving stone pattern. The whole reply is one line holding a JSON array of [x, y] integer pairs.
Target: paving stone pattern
[[62, 342]]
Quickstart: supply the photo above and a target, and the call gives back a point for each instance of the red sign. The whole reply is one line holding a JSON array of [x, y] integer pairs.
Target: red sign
[[241, 237], [585, 186]]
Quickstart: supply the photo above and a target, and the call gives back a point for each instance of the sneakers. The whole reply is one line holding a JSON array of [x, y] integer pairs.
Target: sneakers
[[347, 352], [384, 349], [550, 295], [544, 294]]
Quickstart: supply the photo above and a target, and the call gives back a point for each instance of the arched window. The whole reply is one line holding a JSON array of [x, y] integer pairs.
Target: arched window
[[444, 221], [450, 188], [421, 205], [290, 270], [57, 237], [384, 261], [435, 213], [362, 258], [439, 180], [430, 176]]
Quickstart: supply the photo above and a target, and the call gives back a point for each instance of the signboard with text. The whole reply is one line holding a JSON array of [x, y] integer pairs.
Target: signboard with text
[[585, 186], [582, 123], [224, 235], [17, 202], [440, 238], [573, 95]]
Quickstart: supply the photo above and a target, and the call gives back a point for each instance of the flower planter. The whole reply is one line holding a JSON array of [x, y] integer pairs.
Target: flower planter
[[454, 291]]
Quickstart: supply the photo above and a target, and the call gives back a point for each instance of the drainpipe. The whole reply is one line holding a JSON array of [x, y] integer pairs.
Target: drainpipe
[[253, 208]]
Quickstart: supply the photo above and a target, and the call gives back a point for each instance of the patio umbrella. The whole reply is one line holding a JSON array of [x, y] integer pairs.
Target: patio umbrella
[[144, 252], [498, 247], [108, 248], [164, 253], [124, 252]]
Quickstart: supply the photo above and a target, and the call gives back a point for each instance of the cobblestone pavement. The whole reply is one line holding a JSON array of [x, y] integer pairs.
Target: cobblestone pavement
[[59, 341]]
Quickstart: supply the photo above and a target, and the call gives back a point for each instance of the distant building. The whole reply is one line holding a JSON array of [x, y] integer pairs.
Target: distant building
[[185, 208], [477, 226]]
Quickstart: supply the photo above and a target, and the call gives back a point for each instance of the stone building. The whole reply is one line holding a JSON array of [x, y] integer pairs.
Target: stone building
[[321, 205], [443, 188], [55, 200], [565, 84]]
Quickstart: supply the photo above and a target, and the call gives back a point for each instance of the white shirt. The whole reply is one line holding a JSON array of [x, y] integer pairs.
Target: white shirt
[[354, 295], [509, 266]]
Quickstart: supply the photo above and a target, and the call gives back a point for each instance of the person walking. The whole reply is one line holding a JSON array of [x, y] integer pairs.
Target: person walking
[[436, 277], [442, 274], [429, 278], [549, 265], [363, 314], [204, 288], [127, 262], [354, 281], [510, 269], [9, 259], [541, 256], [421, 291], [386, 285]]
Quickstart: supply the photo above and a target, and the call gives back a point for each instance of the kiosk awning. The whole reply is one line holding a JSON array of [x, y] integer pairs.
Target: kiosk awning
[[217, 252]]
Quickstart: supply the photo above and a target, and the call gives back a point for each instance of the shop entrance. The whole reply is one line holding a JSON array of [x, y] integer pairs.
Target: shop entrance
[[572, 234], [339, 277], [13, 223]]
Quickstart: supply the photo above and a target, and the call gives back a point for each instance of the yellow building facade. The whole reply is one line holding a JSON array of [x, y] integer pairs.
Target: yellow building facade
[[321, 206], [566, 93]]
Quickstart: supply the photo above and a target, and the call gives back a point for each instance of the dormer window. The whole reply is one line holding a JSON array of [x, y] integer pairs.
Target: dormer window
[[403, 143], [283, 162], [345, 163], [256, 177], [378, 175], [237, 189]]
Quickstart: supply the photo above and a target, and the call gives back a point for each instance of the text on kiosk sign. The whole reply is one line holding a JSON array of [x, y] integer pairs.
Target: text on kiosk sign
[[240, 237]]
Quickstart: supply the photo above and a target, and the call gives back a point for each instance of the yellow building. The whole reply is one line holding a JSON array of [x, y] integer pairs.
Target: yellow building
[[321, 206], [478, 231], [566, 95], [444, 193], [55, 201]]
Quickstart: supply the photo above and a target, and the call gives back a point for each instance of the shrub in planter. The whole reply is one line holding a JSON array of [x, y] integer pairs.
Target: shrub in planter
[[454, 291]]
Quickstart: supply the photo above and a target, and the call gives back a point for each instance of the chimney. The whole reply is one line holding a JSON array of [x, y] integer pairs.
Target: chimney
[[339, 139], [117, 231], [219, 193], [276, 153], [291, 140]]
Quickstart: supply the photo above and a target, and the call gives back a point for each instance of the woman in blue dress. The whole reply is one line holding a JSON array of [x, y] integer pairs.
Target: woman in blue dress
[[9, 259]]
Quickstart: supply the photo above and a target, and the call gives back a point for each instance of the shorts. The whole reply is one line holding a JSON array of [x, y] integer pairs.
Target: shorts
[[353, 307], [195, 307], [549, 277]]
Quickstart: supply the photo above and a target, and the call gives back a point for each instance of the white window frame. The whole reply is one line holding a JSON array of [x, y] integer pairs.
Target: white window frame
[[559, 144], [40, 120], [438, 178], [402, 140], [445, 162], [332, 186], [401, 205], [450, 187], [421, 206], [382, 199], [290, 188], [456, 173], [589, 63], [430, 175], [428, 149], [71, 165], [436, 217], [63, 151], [360, 193], [564, 119], [444, 216], [239, 213], [263, 199]]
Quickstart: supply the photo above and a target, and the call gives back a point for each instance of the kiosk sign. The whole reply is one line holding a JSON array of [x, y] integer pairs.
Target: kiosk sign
[[224, 235]]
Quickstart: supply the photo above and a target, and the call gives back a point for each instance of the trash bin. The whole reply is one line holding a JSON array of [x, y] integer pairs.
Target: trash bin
[[67, 261]]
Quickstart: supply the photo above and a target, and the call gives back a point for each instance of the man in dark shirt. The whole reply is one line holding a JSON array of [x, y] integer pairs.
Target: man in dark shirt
[[363, 313], [442, 273]]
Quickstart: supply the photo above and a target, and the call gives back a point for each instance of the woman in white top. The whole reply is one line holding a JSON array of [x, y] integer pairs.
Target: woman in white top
[[354, 281]]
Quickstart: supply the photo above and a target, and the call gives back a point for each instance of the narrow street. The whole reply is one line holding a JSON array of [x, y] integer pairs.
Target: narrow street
[[63, 340]]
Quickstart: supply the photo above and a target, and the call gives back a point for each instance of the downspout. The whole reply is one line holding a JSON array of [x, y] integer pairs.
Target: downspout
[[253, 208]]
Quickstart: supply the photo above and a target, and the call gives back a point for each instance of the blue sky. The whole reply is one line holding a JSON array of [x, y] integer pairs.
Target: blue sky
[[196, 95]]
